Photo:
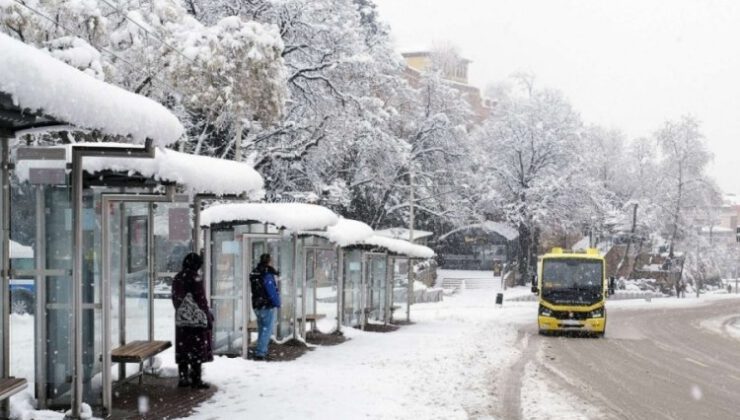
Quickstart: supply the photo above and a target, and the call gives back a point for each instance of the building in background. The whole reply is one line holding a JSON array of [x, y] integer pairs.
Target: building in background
[[455, 71]]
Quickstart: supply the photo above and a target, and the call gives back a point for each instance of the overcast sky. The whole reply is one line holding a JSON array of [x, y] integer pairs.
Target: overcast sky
[[628, 64]]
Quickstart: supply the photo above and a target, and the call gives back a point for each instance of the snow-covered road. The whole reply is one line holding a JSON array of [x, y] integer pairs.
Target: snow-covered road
[[669, 358]]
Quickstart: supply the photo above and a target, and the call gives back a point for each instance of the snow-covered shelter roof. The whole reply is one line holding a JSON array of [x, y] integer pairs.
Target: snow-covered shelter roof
[[39, 83], [196, 174], [346, 232], [403, 233], [295, 217], [399, 246], [505, 231]]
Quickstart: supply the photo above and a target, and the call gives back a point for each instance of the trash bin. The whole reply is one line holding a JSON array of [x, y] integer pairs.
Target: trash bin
[[499, 298]]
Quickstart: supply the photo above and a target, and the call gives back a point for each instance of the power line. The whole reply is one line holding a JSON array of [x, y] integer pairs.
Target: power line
[[158, 38], [146, 30], [71, 32]]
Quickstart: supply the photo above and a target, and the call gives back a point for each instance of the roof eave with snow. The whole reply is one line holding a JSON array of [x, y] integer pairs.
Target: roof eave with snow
[[399, 247], [345, 233], [195, 174], [39, 83], [295, 217]]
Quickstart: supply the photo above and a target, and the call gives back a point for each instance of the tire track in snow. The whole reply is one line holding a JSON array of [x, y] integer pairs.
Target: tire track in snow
[[514, 376]]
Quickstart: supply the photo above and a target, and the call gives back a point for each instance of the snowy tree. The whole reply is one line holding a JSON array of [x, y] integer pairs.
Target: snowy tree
[[685, 191], [532, 161], [684, 160], [232, 72]]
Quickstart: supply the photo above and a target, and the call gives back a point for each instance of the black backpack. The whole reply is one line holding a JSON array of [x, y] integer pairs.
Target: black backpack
[[260, 299]]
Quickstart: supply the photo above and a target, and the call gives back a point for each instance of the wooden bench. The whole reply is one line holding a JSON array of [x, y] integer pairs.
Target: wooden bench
[[138, 352], [11, 386], [312, 318]]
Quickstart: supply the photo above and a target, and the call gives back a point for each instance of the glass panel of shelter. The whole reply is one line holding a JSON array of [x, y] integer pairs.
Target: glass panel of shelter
[[58, 297], [226, 291], [353, 269], [399, 285], [375, 286], [135, 226], [281, 250], [235, 251], [321, 283], [132, 258], [135, 273], [24, 278]]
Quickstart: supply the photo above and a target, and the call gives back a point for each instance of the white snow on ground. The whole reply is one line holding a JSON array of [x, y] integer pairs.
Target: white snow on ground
[[444, 366], [543, 399], [440, 367], [669, 302], [720, 325], [36, 80]]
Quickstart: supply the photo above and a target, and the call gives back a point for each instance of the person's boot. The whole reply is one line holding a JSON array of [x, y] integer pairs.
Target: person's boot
[[183, 373], [195, 377]]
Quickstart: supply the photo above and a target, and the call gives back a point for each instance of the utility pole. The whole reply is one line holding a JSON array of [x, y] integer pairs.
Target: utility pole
[[410, 281], [411, 205], [238, 141]]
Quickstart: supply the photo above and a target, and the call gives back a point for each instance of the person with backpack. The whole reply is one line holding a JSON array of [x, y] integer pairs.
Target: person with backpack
[[265, 299], [193, 323]]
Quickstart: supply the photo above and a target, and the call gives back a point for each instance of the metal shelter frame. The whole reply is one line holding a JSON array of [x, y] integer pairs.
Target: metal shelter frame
[[339, 279], [14, 120], [78, 154], [246, 260], [391, 258], [107, 199]]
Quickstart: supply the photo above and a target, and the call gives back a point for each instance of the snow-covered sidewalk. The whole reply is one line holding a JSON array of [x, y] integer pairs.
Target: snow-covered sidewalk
[[443, 366]]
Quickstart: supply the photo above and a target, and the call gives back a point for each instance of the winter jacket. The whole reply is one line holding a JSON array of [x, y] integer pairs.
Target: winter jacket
[[265, 292], [192, 344]]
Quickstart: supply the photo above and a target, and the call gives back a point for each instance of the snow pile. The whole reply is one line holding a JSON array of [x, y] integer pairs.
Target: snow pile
[[407, 373], [544, 399], [346, 232], [292, 216], [399, 246], [20, 251], [638, 285], [197, 174], [38, 82], [728, 325]]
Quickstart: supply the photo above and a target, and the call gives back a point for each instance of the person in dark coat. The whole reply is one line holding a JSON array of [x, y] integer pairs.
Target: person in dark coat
[[265, 299], [193, 323]]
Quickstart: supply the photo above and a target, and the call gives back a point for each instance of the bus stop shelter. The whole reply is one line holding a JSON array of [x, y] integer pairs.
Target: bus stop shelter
[[324, 265], [369, 278], [236, 234], [137, 225], [40, 93]]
